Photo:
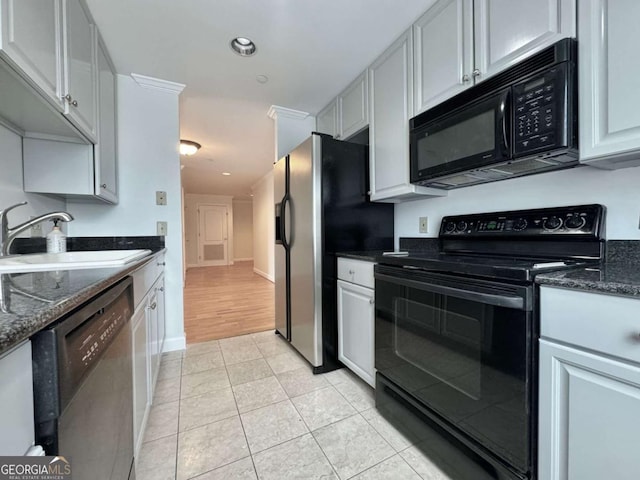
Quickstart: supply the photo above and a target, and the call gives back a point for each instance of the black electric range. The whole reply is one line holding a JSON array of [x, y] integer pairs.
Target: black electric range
[[456, 344]]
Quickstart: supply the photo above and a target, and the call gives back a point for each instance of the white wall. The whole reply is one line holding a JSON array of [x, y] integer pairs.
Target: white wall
[[264, 227], [11, 185], [242, 230], [618, 190], [148, 136], [191, 203]]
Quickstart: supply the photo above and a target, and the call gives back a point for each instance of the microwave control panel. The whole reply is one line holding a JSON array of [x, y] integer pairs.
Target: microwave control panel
[[540, 105]]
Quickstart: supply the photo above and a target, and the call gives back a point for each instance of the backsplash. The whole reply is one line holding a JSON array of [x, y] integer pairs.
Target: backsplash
[[37, 245], [623, 251]]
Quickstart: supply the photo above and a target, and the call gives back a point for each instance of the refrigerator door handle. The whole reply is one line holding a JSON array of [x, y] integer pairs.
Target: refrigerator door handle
[[283, 228]]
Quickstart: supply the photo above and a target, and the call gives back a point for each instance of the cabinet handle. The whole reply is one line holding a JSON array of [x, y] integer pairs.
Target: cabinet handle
[[466, 78], [67, 97], [74, 103], [372, 301], [161, 289], [351, 272], [475, 73], [153, 306], [104, 185], [161, 264]]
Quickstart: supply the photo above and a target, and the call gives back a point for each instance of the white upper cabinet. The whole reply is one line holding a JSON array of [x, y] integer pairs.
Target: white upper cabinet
[[106, 150], [608, 77], [80, 90], [443, 67], [353, 107], [459, 43], [31, 42], [327, 119], [390, 100], [507, 31]]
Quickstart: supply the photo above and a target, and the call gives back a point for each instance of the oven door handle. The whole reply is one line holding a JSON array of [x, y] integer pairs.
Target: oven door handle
[[507, 301]]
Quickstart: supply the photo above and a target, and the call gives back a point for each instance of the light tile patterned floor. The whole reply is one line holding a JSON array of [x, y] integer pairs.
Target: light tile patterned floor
[[249, 407]]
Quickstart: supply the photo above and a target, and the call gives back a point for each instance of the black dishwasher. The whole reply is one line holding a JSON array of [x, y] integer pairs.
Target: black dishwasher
[[83, 387]]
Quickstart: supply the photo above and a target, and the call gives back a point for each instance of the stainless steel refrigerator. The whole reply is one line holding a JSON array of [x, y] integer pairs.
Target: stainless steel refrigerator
[[322, 207]]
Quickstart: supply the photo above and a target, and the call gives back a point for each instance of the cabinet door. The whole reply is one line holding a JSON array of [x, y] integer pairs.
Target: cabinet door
[[31, 40], [327, 119], [589, 424], [355, 329], [161, 315], [390, 92], [608, 78], [507, 31], [141, 399], [80, 61], [153, 341], [106, 150], [353, 107], [443, 39]]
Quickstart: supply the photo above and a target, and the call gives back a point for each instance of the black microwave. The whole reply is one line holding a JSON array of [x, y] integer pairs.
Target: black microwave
[[519, 122]]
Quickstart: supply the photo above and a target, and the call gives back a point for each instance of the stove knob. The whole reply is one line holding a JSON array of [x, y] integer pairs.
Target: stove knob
[[575, 222], [519, 224], [449, 227], [552, 223], [461, 226]]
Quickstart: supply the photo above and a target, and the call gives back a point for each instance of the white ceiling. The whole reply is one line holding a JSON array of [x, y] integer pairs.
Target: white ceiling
[[309, 49]]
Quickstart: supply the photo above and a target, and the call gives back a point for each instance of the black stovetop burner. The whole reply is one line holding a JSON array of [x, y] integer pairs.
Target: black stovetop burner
[[514, 245]]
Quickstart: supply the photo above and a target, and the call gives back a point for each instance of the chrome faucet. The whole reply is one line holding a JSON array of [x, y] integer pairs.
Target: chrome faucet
[[8, 235]]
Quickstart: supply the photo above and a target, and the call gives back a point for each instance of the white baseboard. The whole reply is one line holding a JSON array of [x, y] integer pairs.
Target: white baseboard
[[248, 259], [175, 343], [263, 274]]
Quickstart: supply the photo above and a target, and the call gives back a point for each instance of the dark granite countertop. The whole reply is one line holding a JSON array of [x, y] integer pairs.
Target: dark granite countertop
[[613, 278], [367, 256], [31, 301]]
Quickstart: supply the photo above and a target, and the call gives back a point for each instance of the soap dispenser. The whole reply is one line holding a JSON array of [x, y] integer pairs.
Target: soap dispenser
[[56, 239]]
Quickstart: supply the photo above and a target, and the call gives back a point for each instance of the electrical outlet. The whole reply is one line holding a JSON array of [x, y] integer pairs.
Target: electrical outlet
[[423, 225], [162, 229], [36, 230], [161, 198]]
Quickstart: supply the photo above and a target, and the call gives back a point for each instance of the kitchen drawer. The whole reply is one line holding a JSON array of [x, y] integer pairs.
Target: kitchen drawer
[[146, 276], [603, 323], [359, 272]]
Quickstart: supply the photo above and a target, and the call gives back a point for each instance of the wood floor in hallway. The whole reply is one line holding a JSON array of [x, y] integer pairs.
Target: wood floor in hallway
[[222, 302]]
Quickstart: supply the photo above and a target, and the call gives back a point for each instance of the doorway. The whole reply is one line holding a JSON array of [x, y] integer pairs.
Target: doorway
[[213, 228]]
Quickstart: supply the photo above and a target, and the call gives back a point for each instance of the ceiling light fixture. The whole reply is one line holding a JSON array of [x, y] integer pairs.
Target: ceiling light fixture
[[187, 147], [243, 46], [226, 174]]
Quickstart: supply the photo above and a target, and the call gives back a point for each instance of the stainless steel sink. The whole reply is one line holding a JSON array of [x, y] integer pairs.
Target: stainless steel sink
[[69, 260]]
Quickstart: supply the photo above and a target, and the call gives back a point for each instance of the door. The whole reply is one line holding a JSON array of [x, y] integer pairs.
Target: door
[[212, 235], [461, 349], [589, 423], [443, 52], [305, 242], [355, 329], [281, 266], [31, 39]]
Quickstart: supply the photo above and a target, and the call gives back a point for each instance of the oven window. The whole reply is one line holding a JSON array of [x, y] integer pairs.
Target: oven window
[[473, 136], [464, 360]]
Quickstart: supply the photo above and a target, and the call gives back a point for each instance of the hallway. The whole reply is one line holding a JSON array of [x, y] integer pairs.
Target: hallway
[[221, 302]]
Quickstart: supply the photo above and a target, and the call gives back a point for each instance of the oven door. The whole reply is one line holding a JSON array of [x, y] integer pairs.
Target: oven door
[[474, 136], [462, 349]]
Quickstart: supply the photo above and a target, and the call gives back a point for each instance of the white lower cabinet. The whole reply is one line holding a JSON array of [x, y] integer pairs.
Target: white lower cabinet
[[589, 395], [148, 326], [141, 400], [356, 316], [16, 401]]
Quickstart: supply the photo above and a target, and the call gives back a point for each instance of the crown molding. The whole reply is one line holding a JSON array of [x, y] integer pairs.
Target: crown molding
[[275, 111], [158, 84]]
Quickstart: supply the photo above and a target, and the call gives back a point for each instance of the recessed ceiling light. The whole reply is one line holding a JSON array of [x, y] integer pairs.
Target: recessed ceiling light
[[226, 174], [262, 78], [187, 147], [243, 46]]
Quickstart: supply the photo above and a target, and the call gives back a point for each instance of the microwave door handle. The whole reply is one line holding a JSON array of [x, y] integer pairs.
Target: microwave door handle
[[505, 109], [507, 301]]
